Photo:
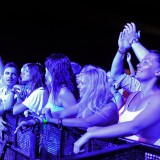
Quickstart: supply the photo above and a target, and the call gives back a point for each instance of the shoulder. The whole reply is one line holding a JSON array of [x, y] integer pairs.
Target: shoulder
[[40, 89], [64, 90], [65, 93], [154, 98], [40, 92], [110, 112], [111, 106]]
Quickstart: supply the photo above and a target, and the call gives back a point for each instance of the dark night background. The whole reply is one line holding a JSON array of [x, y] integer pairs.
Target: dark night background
[[86, 33]]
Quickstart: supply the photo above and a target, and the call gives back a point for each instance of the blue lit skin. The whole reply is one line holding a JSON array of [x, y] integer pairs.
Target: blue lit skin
[[147, 65], [48, 78], [25, 74], [83, 84], [10, 76]]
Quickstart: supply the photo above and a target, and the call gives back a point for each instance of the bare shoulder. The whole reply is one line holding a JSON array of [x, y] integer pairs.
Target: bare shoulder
[[111, 106], [65, 93], [110, 112], [64, 90], [154, 97]]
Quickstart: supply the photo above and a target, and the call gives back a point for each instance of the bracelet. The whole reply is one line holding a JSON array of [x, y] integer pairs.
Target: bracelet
[[44, 121], [121, 51], [135, 40], [60, 122]]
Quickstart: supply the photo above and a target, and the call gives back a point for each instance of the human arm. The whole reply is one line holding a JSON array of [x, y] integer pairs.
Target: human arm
[[117, 97], [26, 124], [131, 68], [19, 107], [124, 41], [14, 96], [117, 69], [107, 116], [137, 125], [10, 100], [34, 102], [72, 111], [133, 38]]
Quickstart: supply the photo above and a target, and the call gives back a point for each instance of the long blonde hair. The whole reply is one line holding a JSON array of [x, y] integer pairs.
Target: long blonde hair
[[98, 93]]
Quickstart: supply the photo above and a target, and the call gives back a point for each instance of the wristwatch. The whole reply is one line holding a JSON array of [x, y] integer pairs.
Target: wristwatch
[[134, 41]]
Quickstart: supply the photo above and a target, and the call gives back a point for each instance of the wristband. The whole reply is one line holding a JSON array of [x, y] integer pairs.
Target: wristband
[[44, 121]]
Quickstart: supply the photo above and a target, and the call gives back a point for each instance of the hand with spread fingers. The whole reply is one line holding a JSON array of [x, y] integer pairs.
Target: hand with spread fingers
[[131, 34]]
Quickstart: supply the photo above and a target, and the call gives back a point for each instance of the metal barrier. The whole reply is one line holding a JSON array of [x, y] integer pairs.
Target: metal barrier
[[47, 141], [128, 151], [20, 146]]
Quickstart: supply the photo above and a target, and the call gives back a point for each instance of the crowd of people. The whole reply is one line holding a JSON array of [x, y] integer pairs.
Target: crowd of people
[[106, 104]]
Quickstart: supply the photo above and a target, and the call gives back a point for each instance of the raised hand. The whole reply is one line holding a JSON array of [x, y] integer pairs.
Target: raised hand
[[123, 42], [128, 57], [130, 33]]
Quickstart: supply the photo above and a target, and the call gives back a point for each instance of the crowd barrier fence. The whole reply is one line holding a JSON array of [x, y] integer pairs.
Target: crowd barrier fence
[[48, 142]]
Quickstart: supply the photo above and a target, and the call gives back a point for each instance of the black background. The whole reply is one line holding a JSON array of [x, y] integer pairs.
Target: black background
[[86, 33]]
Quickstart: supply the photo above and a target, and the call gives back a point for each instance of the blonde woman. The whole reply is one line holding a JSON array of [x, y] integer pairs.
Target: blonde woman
[[95, 107]]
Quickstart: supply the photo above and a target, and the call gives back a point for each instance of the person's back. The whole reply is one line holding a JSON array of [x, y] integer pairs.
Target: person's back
[[61, 82]]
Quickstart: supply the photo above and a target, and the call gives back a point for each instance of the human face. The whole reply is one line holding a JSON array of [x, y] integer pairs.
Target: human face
[[25, 74], [10, 76], [83, 84], [147, 68], [48, 77]]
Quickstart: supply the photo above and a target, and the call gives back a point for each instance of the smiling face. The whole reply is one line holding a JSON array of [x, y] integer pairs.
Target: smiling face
[[148, 67]]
